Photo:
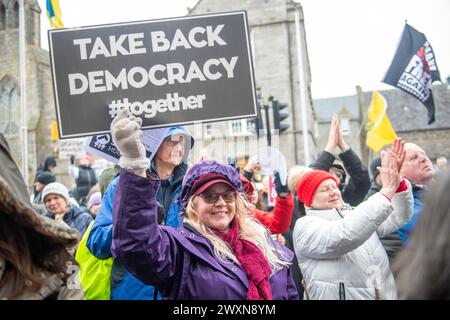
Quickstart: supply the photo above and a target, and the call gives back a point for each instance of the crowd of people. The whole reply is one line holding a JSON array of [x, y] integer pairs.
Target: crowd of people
[[170, 229]]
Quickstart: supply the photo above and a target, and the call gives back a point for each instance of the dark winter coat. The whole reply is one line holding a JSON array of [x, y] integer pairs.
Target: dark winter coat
[[85, 181], [298, 212], [76, 218]]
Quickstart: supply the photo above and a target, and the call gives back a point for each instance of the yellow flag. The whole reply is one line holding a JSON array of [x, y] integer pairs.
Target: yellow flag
[[379, 128], [54, 14], [54, 131]]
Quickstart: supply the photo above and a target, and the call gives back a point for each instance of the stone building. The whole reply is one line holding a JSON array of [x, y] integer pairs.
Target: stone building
[[409, 119], [407, 115], [273, 39], [40, 110]]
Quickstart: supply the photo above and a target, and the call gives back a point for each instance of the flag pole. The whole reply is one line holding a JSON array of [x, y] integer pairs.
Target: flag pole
[[302, 88], [23, 98]]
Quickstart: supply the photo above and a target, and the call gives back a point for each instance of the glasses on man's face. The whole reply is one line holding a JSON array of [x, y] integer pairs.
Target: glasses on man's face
[[211, 197]]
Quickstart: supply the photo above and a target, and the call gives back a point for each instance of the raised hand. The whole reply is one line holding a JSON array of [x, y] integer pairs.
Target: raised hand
[[126, 132], [341, 142], [389, 173], [281, 189], [253, 164], [333, 135], [398, 150]]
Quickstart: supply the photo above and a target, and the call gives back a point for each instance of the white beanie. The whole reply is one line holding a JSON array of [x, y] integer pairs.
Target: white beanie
[[56, 188]]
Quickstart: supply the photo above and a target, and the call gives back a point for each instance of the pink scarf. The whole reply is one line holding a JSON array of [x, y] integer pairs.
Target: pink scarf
[[252, 261]]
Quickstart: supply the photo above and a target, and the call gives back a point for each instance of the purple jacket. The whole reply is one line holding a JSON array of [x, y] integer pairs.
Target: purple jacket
[[178, 261]]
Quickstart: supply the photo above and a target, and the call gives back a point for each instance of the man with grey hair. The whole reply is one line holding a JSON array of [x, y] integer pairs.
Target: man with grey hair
[[418, 169], [170, 165]]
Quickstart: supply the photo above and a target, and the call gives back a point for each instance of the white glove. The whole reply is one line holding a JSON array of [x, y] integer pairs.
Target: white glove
[[126, 132]]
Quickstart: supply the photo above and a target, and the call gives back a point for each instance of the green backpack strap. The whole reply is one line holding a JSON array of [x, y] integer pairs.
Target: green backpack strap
[[94, 273]]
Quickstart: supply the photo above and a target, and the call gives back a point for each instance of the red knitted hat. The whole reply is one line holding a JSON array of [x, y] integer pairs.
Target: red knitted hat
[[310, 182]]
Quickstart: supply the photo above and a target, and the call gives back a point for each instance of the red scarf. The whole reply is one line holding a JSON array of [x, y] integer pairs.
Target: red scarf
[[252, 261]]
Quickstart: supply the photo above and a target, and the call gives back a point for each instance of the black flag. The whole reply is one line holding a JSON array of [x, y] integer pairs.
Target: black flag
[[414, 68]]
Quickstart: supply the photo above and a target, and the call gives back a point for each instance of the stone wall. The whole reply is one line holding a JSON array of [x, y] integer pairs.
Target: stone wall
[[40, 111], [272, 33]]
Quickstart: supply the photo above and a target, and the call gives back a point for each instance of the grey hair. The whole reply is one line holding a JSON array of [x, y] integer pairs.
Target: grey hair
[[294, 175]]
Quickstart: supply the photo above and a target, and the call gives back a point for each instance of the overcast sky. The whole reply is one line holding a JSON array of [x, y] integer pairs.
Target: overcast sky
[[350, 42]]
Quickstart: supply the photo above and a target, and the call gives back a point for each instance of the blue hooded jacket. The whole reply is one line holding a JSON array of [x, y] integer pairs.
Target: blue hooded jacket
[[125, 286], [405, 231]]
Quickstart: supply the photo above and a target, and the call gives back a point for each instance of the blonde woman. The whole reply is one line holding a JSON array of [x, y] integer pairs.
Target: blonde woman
[[220, 252]]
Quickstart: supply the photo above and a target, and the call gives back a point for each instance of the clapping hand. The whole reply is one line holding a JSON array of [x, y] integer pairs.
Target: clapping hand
[[398, 150], [390, 172], [333, 135], [341, 142]]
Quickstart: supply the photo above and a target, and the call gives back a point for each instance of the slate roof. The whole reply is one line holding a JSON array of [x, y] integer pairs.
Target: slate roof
[[405, 112]]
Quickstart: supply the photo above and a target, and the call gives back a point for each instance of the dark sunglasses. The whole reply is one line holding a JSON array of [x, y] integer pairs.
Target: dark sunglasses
[[211, 197]]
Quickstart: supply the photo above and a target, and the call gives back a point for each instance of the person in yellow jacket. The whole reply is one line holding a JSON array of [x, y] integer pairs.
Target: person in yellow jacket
[[94, 273]]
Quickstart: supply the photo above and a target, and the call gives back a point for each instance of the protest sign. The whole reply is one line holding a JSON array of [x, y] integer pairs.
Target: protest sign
[[69, 147], [103, 146], [168, 72]]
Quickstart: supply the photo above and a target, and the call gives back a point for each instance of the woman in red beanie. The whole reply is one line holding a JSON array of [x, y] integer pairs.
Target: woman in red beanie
[[337, 246]]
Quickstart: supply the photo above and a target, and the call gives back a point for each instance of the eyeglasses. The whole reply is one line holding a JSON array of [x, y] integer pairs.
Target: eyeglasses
[[211, 197]]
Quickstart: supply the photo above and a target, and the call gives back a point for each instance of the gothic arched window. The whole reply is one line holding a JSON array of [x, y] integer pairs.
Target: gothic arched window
[[9, 107], [15, 16]]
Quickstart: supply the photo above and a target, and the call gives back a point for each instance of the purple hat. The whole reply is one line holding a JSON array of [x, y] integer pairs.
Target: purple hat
[[95, 198], [207, 167]]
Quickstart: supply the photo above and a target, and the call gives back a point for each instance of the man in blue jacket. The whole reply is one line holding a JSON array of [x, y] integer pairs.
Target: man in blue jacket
[[169, 163], [418, 169]]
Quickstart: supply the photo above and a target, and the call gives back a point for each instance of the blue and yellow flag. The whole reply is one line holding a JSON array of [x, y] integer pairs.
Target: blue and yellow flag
[[380, 131], [54, 14]]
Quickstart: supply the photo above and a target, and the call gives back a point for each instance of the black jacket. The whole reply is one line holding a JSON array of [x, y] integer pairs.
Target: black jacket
[[354, 191], [85, 181], [298, 212]]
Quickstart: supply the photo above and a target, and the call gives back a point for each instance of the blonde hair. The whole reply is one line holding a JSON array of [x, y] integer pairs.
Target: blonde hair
[[249, 229], [294, 176]]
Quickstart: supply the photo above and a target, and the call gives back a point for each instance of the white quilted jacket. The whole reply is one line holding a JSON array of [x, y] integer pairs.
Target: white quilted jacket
[[340, 254]]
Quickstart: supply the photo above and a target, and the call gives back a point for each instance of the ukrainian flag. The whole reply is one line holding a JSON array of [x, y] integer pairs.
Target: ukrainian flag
[[54, 14]]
